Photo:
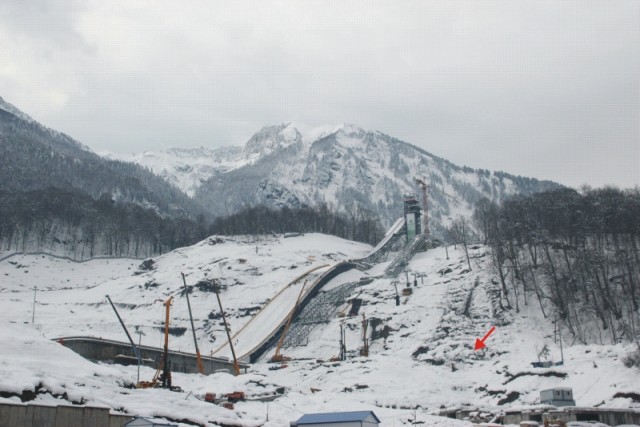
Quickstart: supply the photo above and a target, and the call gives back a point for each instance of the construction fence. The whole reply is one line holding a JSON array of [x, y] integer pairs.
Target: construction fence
[[27, 415]]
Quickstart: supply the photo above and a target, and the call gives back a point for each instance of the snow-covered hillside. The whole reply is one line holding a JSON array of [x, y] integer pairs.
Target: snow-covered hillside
[[250, 271], [421, 356]]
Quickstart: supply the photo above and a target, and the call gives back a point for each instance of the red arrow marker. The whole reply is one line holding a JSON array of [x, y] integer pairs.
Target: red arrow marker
[[480, 343]]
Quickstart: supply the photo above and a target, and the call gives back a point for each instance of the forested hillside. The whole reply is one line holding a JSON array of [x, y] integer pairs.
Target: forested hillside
[[75, 225], [574, 254], [358, 225], [33, 157], [58, 196]]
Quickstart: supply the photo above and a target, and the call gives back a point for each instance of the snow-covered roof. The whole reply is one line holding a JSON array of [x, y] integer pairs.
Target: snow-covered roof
[[336, 417]]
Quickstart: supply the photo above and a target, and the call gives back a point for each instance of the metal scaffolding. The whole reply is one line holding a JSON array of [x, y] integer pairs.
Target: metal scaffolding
[[402, 259], [319, 310]]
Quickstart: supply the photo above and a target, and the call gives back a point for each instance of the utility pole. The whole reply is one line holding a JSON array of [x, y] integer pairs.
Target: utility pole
[[558, 335], [343, 344], [561, 351], [395, 284], [365, 341], [140, 334], [422, 276], [33, 313]]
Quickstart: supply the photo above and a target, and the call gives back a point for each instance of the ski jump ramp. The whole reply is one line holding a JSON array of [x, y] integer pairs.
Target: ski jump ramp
[[392, 232], [265, 328]]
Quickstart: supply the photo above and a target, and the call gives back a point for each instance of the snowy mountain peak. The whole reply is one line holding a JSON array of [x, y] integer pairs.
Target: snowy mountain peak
[[351, 130], [270, 139]]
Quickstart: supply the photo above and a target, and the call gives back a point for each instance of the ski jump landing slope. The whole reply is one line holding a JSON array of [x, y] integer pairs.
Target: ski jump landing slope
[[269, 317], [263, 330]]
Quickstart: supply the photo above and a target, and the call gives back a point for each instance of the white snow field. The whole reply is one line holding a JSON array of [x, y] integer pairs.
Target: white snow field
[[421, 358]]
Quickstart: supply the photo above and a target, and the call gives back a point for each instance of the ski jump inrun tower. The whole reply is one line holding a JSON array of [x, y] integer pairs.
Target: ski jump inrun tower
[[412, 216], [412, 213]]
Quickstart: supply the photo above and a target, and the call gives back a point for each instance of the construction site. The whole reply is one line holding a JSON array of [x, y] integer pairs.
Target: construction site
[[285, 321], [241, 331]]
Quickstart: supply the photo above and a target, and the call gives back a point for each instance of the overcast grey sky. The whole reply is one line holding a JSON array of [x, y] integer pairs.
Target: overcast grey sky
[[546, 89]]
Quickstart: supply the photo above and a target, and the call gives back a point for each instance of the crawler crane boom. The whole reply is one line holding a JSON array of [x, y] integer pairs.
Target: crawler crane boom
[[277, 357], [193, 329]]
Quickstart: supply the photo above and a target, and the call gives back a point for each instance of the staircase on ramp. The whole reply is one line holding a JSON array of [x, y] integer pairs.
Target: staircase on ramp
[[404, 256], [319, 310]]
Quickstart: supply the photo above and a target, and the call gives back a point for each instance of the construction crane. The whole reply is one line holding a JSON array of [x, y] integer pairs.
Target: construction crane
[[162, 377], [163, 373], [277, 357], [236, 367], [126, 331], [165, 377], [193, 329], [425, 211]]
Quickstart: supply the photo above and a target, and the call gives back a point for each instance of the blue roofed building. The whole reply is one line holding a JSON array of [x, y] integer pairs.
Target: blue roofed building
[[338, 419]]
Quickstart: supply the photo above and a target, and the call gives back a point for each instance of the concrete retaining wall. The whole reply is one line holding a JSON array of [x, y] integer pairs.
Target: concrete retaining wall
[[100, 350], [22, 415]]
